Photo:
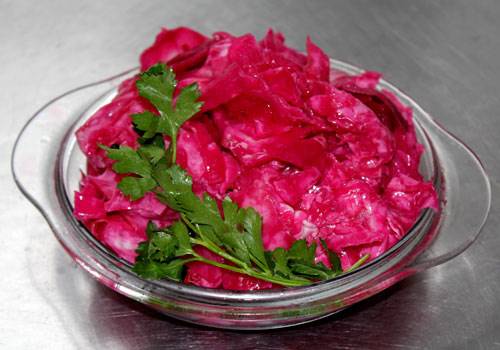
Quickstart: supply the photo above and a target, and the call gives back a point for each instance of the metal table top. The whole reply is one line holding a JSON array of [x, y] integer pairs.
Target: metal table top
[[445, 54]]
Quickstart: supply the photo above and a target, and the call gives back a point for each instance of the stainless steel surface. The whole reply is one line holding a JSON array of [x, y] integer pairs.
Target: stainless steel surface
[[444, 54]]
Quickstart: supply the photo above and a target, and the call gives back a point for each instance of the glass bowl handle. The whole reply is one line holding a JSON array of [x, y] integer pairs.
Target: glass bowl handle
[[33, 157], [465, 185], [467, 195]]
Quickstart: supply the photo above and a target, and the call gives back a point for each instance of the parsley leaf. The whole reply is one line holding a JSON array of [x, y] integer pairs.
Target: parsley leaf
[[252, 224], [136, 187], [279, 256], [128, 161], [332, 258], [186, 104], [157, 85], [300, 252], [152, 153], [146, 122]]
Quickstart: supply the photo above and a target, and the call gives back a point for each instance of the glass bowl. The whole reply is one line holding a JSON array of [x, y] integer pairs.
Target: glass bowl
[[47, 164]]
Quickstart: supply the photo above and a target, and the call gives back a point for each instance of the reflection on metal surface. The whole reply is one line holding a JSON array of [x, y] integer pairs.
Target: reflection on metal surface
[[446, 56], [59, 163]]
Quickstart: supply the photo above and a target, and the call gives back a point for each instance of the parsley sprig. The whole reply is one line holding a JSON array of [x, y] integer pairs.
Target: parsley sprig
[[231, 232]]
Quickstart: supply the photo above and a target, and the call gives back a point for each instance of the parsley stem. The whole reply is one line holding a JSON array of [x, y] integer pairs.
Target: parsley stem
[[358, 263], [173, 146], [252, 273], [205, 242], [190, 225], [215, 249], [259, 264]]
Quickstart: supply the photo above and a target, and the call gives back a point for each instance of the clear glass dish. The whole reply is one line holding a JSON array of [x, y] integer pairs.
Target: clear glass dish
[[46, 164]]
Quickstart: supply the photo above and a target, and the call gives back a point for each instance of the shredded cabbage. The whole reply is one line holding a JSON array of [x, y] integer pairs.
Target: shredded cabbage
[[318, 153]]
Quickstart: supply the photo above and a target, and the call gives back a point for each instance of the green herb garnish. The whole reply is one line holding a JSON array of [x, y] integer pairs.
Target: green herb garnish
[[235, 234]]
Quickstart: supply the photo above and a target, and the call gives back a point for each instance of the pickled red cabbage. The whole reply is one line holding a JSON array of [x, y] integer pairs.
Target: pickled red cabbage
[[318, 153]]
